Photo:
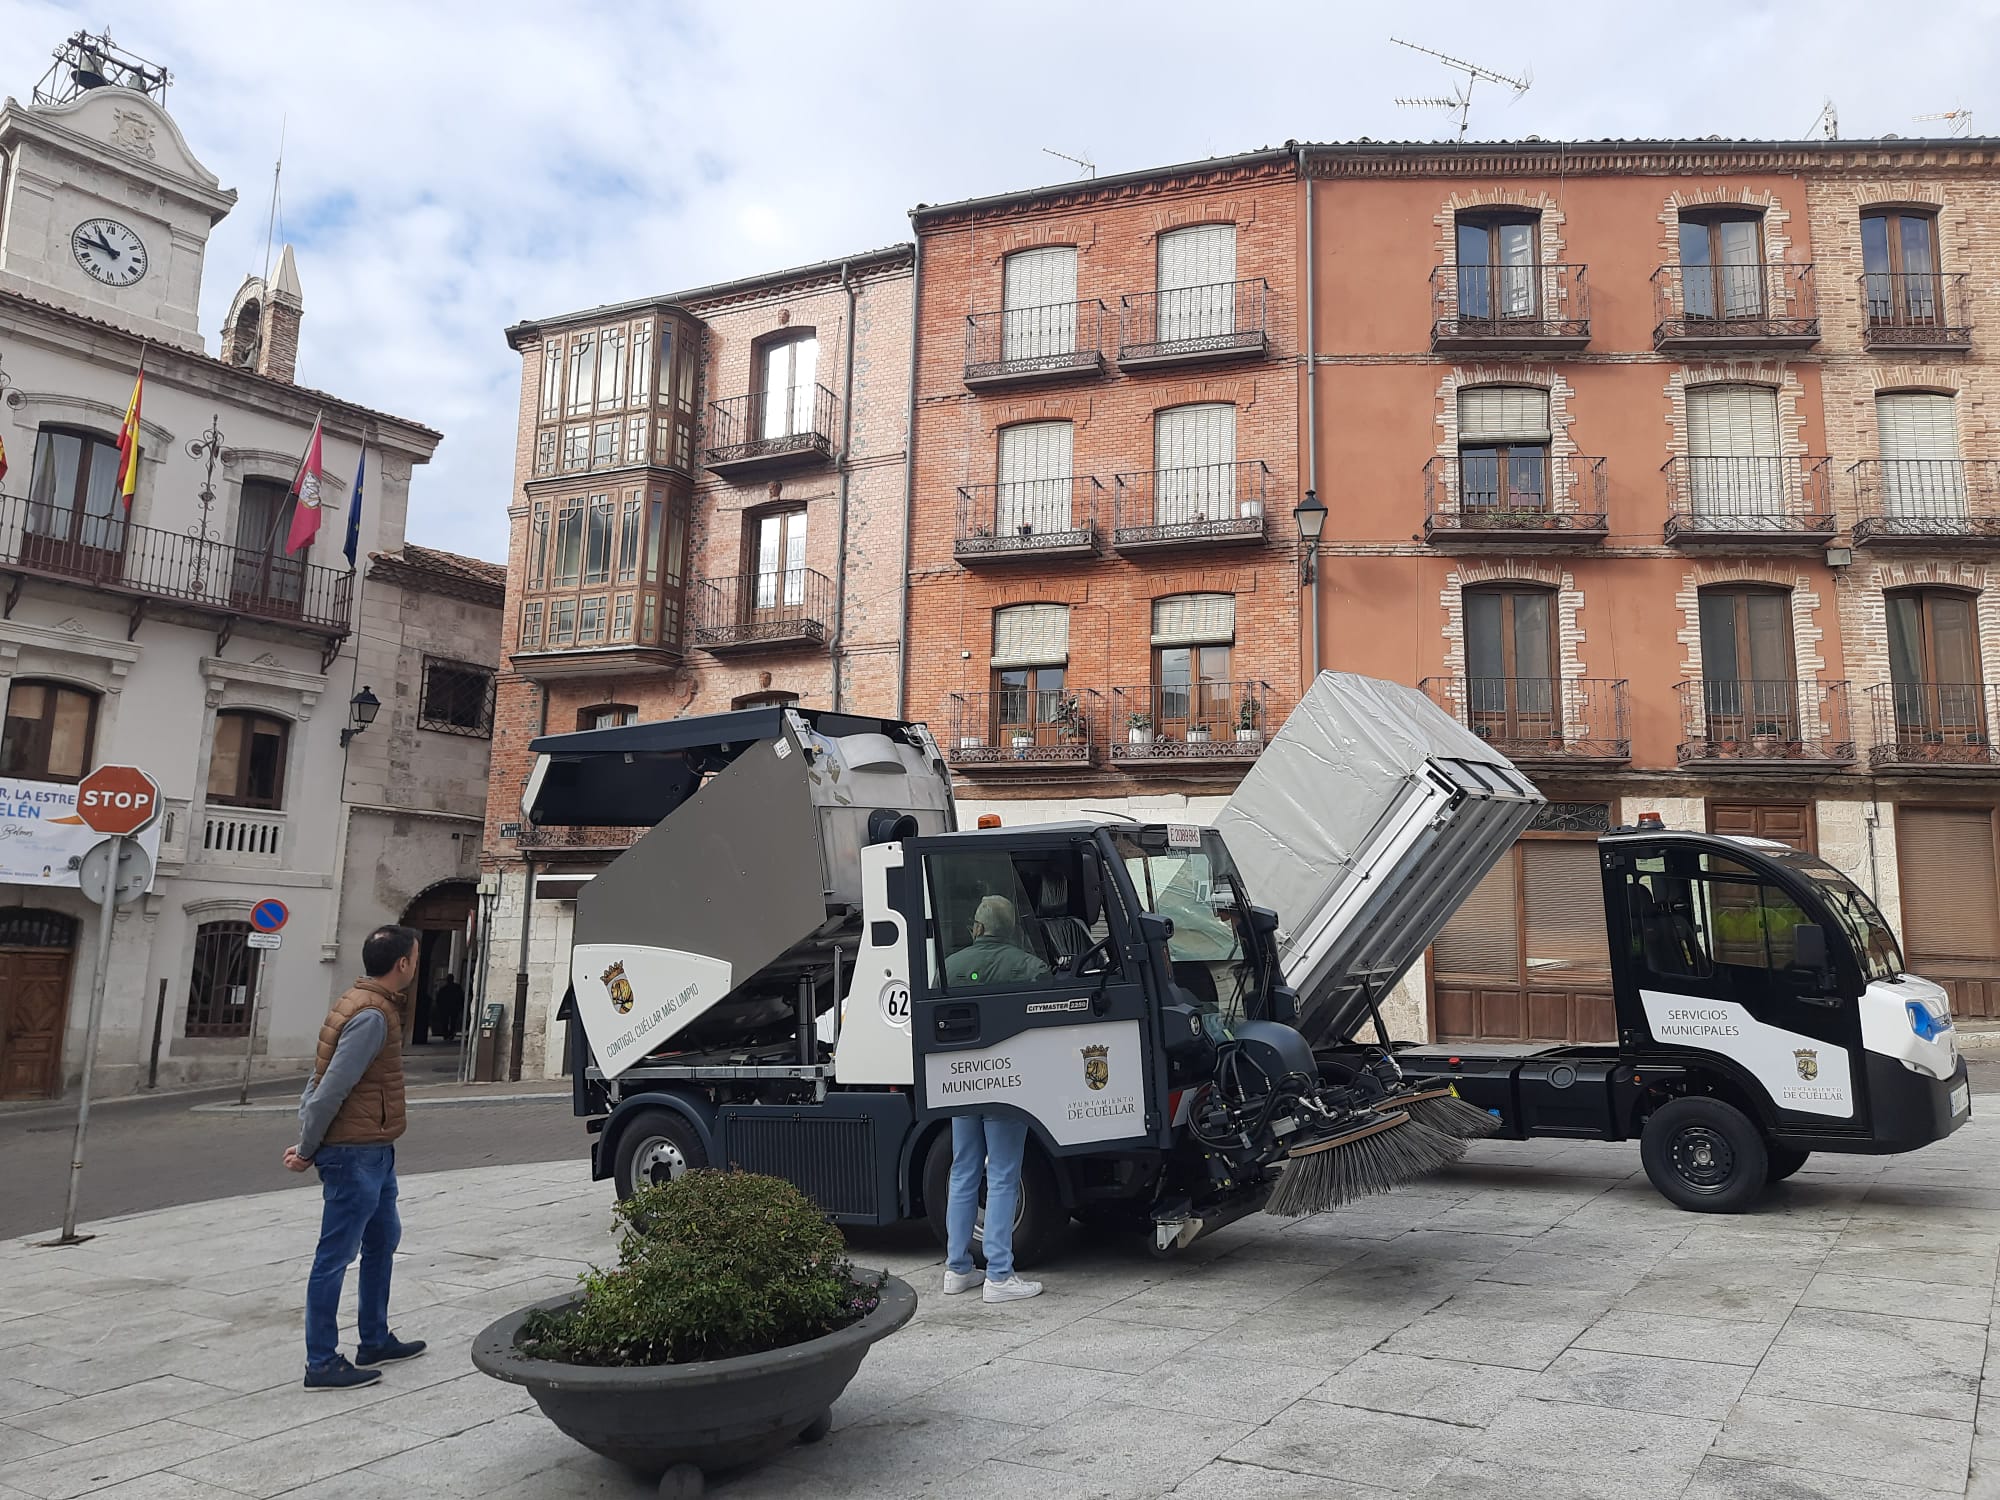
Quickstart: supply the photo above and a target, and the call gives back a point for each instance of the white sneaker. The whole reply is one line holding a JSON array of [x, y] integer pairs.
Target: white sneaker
[[961, 1281], [1013, 1289]]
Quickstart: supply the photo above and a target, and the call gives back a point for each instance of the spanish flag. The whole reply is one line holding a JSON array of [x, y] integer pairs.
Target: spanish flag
[[128, 439]]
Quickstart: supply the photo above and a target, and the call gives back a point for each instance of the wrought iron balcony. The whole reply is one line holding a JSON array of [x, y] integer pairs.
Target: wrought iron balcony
[[1545, 308], [1015, 345], [1018, 730], [1917, 725], [1916, 310], [1027, 520], [1186, 724], [1540, 720], [1731, 719], [1773, 305], [785, 428], [1759, 501], [1192, 324], [774, 611], [1205, 506], [1523, 498], [141, 564], [1926, 500]]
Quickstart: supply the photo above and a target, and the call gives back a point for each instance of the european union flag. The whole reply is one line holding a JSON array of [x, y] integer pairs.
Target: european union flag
[[354, 510]]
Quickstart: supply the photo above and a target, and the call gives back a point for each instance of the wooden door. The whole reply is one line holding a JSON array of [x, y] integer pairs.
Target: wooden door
[[1790, 823], [34, 1002], [1950, 878]]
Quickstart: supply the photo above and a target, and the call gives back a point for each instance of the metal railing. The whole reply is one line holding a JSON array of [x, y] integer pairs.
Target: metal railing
[[1192, 322], [1021, 343], [1932, 724], [1021, 727], [1916, 310], [143, 562], [1772, 499], [1025, 519], [1184, 507], [1537, 496], [1748, 719], [1496, 306], [1201, 721], [785, 607], [1540, 718], [790, 422], [1771, 303], [1926, 499]]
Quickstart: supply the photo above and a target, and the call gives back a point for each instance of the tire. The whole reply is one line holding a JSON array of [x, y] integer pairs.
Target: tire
[[1784, 1160], [1705, 1156], [655, 1145], [1038, 1220]]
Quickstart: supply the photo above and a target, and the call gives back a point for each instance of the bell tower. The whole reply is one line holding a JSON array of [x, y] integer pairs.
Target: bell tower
[[261, 330]]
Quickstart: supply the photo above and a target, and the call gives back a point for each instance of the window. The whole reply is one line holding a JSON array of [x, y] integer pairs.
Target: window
[[531, 624], [611, 360], [598, 516], [1503, 453], [1038, 303], [590, 619], [1194, 454], [225, 967], [569, 543], [263, 573], [787, 370], [582, 373], [1922, 478], [1722, 266], [1934, 670], [779, 563], [75, 514], [1734, 471], [1748, 671], [545, 452], [606, 716], [1036, 912], [562, 621], [50, 731], [576, 448], [1035, 469], [1497, 276], [246, 764], [1703, 924], [552, 354], [642, 364], [1510, 663], [1031, 704], [628, 539], [538, 545], [604, 445], [1193, 638], [457, 698], [1899, 262], [1197, 281]]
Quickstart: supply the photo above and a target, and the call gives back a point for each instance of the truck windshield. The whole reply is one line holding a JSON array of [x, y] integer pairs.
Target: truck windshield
[[1873, 943], [1197, 887]]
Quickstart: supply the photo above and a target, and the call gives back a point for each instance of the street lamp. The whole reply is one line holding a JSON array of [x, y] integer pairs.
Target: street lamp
[[361, 711], [1311, 516]]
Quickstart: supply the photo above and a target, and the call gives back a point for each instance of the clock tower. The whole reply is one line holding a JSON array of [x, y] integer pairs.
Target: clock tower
[[103, 208]]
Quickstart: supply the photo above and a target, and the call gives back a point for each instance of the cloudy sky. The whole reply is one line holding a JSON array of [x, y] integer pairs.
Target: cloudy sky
[[452, 167]]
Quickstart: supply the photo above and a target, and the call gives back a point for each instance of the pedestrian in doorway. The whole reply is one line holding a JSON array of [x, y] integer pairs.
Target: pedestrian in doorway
[[448, 1008], [989, 1146], [349, 1118]]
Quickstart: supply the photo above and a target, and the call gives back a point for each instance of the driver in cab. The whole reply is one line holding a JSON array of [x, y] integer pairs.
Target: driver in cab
[[995, 954]]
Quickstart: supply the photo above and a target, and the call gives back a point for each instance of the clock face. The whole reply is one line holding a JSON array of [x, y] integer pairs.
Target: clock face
[[109, 251]]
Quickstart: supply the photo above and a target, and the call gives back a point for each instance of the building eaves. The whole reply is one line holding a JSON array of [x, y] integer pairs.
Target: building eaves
[[1030, 197], [435, 571]]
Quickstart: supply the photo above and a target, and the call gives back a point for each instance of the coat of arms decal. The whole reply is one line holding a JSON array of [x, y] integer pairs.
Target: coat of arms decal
[[1808, 1060], [618, 987], [1097, 1066]]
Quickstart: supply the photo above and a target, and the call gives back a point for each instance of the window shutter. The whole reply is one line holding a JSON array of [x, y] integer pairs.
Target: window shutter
[[1035, 464], [1916, 424], [1483, 938], [1563, 895], [1732, 421], [1040, 278], [1189, 437], [1495, 414], [1195, 620], [1031, 635], [1202, 256], [1951, 897]]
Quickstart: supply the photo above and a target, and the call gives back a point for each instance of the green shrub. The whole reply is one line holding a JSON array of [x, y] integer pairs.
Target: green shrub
[[710, 1265]]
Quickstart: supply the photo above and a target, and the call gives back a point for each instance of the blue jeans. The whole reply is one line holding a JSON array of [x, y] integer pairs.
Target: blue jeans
[[988, 1145], [358, 1185]]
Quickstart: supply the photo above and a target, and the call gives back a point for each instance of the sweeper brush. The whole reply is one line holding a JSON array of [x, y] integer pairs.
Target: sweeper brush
[[1378, 1153], [1442, 1110]]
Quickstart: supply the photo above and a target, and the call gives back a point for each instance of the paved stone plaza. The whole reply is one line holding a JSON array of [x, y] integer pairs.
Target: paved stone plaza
[[1537, 1322]]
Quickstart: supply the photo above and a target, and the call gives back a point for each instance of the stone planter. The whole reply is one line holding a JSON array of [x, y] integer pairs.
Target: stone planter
[[678, 1421], [1139, 736]]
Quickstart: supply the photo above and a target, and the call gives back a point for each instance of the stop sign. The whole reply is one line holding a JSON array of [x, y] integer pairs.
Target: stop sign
[[117, 799]]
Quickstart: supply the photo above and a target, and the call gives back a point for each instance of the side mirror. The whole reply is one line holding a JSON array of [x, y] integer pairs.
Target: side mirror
[[1283, 1005], [1155, 928], [1809, 947], [1264, 920]]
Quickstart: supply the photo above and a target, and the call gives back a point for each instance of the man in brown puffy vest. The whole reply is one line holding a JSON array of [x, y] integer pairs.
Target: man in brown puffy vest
[[349, 1118]]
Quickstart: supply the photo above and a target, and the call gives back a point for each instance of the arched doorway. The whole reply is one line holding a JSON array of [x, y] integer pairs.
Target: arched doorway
[[442, 916], [36, 950]]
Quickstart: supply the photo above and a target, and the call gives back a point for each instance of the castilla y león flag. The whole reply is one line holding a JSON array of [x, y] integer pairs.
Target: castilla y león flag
[[306, 491]]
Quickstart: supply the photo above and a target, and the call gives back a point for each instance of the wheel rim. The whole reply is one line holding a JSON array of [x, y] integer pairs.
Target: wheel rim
[[657, 1160], [1703, 1158], [979, 1215]]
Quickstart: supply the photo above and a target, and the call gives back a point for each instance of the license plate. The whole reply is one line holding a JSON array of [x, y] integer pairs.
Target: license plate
[[1961, 1099]]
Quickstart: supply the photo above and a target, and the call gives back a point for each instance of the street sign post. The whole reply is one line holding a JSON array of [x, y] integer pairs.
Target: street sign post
[[115, 801], [267, 918]]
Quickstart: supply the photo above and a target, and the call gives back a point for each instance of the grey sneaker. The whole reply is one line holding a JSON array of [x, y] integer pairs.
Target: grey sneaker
[[1013, 1289]]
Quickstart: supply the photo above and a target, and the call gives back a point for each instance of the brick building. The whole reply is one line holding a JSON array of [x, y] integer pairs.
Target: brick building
[[708, 514]]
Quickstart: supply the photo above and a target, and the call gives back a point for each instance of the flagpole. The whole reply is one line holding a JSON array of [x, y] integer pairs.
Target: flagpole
[[319, 418], [331, 938]]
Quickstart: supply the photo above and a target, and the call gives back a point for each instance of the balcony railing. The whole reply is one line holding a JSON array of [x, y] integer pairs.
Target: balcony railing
[[1019, 344], [1767, 501], [763, 611], [1206, 505], [1510, 307], [1540, 719], [1521, 498], [1926, 500], [791, 425], [109, 554], [1027, 520], [1947, 724], [1205, 722], [1916, 310], [1183, 325], [1764, 721], [1016, 729], [246, 837], [1773, 305]]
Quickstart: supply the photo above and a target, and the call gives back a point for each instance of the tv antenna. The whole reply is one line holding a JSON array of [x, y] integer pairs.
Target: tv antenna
[[1961, 119], [1089, 166], [1826, 122], [1461, 99]]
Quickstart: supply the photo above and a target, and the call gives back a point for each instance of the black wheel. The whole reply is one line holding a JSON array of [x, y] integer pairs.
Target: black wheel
[[818, 1427], [1038, 1218], [655, 1146], [1705, 1156], [1784, 1160]]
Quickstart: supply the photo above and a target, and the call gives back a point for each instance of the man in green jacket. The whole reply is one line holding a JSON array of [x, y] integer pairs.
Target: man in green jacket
[[995, 954]]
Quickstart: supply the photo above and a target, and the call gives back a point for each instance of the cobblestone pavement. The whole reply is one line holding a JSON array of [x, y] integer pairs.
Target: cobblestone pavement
[[1536, 1322]]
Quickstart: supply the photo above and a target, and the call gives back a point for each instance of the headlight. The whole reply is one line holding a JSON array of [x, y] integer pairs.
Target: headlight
[[1923, 1023]]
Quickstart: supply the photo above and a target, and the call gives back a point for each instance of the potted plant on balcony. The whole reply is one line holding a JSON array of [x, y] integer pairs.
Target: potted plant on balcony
[[1250, 509], [729, 1327], [1068, 718], [1139, 729], [1248, 713], [1023, 741], [1198, 734]]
